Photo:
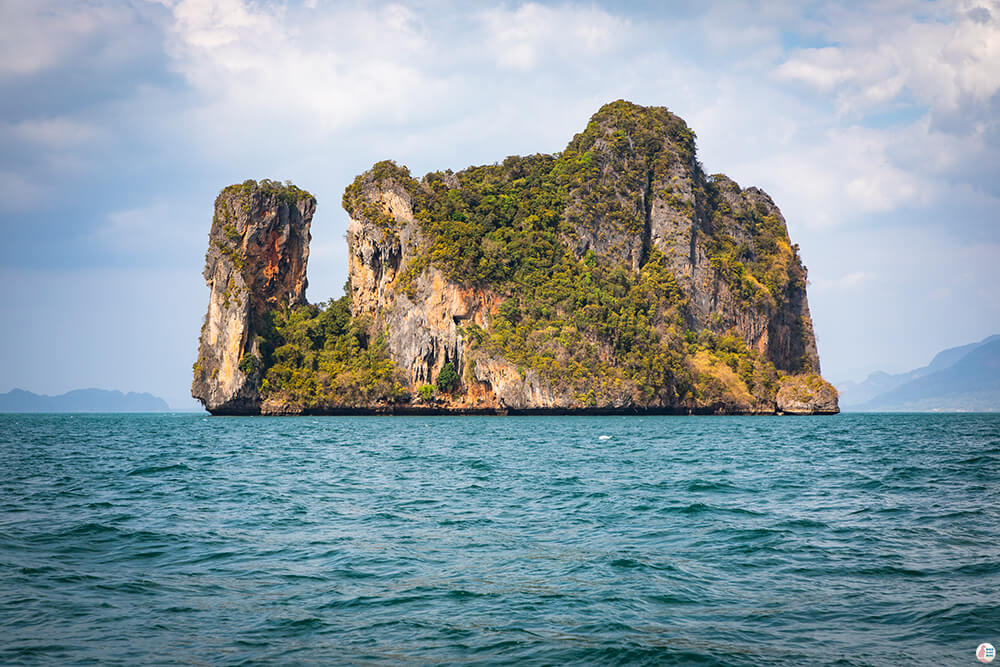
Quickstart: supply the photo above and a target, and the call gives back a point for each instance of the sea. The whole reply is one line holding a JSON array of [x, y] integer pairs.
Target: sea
[[859, 539]]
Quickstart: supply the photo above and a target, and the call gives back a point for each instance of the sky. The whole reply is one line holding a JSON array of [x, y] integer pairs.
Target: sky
[[875, 127]]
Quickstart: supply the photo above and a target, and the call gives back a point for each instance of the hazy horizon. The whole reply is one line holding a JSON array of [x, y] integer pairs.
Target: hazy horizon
[[874, 129]]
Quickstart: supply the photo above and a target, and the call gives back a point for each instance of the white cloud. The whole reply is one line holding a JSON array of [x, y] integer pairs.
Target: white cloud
[[56, 132], [822, 68], [842, 175], [943, 64], [264, 64], [37, 35], [396, 82], [535, 34], [23, 21]]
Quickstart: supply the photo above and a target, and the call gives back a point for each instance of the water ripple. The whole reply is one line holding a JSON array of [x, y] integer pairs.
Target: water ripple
[[855, 540]]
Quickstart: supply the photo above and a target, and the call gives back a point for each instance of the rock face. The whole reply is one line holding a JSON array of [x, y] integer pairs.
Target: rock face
[[648, 194], [614, 277], [256, 262], [653, 194], [807, 395]]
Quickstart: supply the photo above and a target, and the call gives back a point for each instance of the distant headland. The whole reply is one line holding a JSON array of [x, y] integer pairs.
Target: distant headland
[[614, 277], [81, 400], [958, 379]]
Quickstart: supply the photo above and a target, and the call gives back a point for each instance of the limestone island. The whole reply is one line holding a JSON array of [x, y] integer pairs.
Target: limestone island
[[615, 277]]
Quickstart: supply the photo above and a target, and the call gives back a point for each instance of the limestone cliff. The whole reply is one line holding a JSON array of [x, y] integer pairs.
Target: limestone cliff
[[652, 193], [613, 277], [637, 195], [256, 263]]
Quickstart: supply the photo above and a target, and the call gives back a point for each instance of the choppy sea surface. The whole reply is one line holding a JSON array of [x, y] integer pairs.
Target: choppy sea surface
[[851, 540]]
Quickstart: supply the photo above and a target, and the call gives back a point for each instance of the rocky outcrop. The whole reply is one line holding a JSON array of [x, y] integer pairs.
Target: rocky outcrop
[[703, 294], [652, 193], [424, 322], [256, 262], [643, 191], [807, 394]]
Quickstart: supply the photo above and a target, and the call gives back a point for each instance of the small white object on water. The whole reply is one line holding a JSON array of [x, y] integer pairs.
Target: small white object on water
[[604, 437]]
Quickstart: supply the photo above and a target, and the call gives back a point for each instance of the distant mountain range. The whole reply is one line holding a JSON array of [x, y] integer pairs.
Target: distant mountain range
[[81, 400], [959, 379]]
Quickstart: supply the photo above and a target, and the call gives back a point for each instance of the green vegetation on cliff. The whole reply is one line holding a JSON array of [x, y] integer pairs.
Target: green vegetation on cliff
[[762, 265], [318, 356], [286, 192], [589, 324], [615, 273]]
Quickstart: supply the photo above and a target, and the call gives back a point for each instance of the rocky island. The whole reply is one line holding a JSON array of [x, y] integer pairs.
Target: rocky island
[[615, 277]]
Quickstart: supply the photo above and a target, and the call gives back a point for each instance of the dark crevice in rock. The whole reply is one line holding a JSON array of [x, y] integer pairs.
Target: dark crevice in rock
[[647, 217]]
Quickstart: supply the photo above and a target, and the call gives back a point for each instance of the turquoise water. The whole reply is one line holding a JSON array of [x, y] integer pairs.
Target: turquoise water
[[855, 540]]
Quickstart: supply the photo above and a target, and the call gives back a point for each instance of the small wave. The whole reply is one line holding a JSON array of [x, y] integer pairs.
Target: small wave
[[35, 651], [297, 627], [890, 570], [703, 508], [293, 577], [673, 599], [699, 486], [349, 573], [977, 569], [152, 470], [801, 523], [358, 601], [563, 481], [373, 601], [753, 534], [462, 594], [942, 516], [83, 530], [470, 521], [977, 460], [180, 610], [75, 578], [140, 587], [212, 556], [418, 502], [905, 473]]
